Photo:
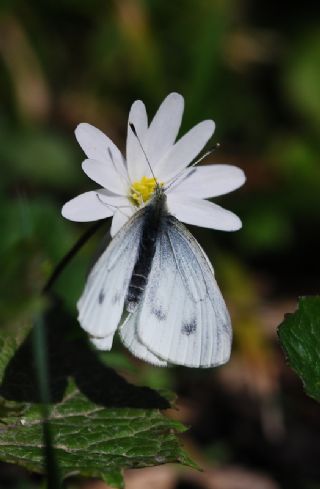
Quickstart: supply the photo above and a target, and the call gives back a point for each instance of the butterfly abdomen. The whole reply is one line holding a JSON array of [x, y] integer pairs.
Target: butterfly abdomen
[[154, 213]]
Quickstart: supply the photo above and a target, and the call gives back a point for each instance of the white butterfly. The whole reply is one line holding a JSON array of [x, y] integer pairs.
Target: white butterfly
[[156, 272]]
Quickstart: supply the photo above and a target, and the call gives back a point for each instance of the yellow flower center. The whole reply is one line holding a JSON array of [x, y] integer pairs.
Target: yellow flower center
[[141, 191]]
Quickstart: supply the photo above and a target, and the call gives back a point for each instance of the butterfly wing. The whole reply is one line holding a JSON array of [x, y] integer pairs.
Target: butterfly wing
[[101, 304], [130, 338], [182, 317]]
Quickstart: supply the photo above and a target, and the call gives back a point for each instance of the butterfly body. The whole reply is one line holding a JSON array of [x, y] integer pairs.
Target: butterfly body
[[154, 214]]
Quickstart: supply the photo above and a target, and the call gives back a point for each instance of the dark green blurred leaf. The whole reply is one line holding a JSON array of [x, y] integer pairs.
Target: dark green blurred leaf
[[300, 338], [40, 157], [302, 79], [265, 228], [34, 238], [296, 159]]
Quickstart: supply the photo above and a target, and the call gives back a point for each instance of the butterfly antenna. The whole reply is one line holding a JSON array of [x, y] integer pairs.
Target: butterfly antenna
[[202, 157], [133, 129], [112, 206], [207, 153]]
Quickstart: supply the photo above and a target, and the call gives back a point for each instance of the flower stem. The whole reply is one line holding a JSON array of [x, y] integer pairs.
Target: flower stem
[[71, 253]]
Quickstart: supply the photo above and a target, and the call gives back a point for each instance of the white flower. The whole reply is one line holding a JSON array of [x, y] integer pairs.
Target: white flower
[[127, 184]]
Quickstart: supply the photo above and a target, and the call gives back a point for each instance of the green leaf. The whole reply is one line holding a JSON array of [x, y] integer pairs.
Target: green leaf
[[9, 342], [300, 338], [99, 423], [92, 440]]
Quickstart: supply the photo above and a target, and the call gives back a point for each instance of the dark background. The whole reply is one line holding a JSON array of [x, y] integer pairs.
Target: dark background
[[253, 67]]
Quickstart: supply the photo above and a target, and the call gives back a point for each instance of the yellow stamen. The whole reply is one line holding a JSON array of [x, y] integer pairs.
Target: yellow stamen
[[142, 190]]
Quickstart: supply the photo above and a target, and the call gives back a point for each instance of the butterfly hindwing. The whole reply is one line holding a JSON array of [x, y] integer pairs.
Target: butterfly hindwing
[[130, 338], [182, 316]]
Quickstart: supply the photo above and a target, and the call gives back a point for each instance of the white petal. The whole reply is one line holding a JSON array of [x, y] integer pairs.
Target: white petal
[[136, 161], [164, 128], [97, 145], [185, 150], [102, 343], [210, 181], [120, 217], [202, 213], [104, 173], [113, 200], [86, 207]]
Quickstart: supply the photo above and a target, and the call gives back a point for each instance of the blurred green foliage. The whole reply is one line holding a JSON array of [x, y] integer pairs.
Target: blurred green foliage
[[67, 62], [250, 66]]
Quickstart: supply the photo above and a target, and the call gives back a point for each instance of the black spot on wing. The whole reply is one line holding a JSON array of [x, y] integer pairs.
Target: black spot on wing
[[101, 296], [189, 327], [159, 313]]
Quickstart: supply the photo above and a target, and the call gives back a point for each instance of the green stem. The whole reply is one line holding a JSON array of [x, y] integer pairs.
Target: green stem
[[42, 372], [68, 257]]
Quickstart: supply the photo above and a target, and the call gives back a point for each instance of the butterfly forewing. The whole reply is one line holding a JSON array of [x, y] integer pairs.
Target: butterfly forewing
[[101, 304]]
